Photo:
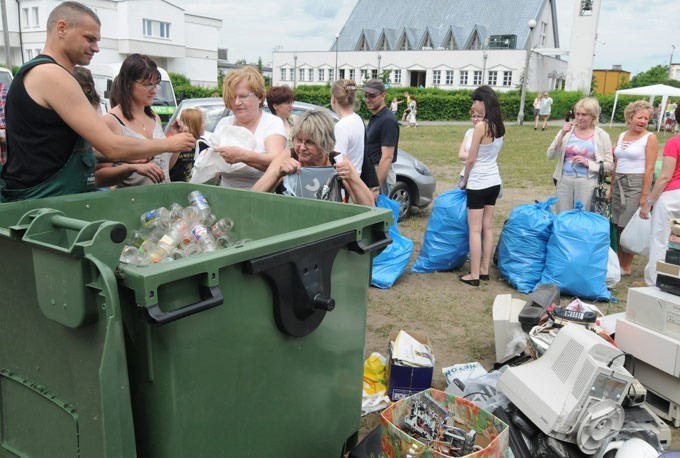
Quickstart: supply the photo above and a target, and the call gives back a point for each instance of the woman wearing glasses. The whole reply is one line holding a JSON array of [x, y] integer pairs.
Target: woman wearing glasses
[[244, 95], [131, 97], [580, 147], [313, 142]]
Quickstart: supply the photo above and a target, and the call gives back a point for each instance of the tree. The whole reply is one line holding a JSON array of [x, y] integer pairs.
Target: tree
[[240, 62], [655, 75]]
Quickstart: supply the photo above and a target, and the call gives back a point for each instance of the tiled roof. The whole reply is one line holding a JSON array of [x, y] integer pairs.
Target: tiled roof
[[415, 18]]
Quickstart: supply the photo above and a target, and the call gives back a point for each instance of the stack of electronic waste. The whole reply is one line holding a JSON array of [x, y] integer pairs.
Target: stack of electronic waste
[[577, 398], [650, 332]]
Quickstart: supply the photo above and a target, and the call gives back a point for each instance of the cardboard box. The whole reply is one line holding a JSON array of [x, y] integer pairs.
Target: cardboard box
[[671, 269], [405, 381], [492, 433]]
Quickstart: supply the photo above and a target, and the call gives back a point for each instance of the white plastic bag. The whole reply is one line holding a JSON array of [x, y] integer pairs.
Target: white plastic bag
[[207, 165], [635, 237], [613, 270]]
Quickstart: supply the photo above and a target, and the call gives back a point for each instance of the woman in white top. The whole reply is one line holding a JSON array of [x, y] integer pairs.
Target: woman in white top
[[131, 96], [634, 159], [244, 94], [580, 147], [350, 130], [482, 180], [477, 116]]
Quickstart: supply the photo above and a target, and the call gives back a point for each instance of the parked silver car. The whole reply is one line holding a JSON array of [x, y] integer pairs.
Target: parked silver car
[[415, 184]]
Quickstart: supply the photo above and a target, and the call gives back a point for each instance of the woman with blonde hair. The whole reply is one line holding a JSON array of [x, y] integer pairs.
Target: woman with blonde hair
[[634, 159], [190, 120], [580, 147], [349, 130], [244, 95], [313, 142]]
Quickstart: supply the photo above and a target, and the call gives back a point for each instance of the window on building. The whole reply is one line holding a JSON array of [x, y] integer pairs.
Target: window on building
[[351, 73], [428, 42], [24, 17], [364, 75], [363, 44], [397, 76], [463, 77], [148, 27], [310, 74], [503, 42], [382, 45], [436, 77], [301, 72], [477, 78], [374, 73], [404, 45], [476, 42], [29, 54], [449, 77], [283, 74], [450, 42], [493, 78], [507, 78], [165, 30], [35, 17], [322, 74], [331, 74], [341, 74], [586, 8]]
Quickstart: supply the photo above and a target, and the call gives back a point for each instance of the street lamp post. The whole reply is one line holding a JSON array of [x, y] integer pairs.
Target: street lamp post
[[670, 62], [520, 115], [295, 71]]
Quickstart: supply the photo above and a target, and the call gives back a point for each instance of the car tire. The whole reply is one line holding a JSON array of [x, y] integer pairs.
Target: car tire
[[401, 192]]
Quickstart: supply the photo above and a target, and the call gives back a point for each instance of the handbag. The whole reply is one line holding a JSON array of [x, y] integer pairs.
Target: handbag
[[599, 203]]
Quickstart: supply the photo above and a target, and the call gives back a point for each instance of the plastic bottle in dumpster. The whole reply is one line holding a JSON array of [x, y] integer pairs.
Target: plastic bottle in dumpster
[[160, 212], [221, 231], [176, 211], [133, 255], [198, 200], [204, 239]]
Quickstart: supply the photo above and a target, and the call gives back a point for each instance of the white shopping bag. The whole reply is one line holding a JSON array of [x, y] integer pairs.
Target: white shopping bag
[[635, 237]]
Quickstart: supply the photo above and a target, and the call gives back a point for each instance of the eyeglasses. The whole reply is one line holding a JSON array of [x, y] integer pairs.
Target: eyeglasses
[[368, 96], [243, 97], [149, 86], [308, 143]]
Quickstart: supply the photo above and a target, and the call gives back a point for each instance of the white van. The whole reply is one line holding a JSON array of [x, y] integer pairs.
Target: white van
[[5, 76], [164, 103]]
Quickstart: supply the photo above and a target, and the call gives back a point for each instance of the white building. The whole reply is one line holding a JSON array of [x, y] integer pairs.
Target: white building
[[438, 43], [175, 39]]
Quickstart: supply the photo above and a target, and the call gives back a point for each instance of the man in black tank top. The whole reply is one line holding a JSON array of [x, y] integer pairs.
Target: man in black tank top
[[50, 123]]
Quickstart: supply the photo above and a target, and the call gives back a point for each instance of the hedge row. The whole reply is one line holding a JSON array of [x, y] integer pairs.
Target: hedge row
[[439, 104], [442, 105]]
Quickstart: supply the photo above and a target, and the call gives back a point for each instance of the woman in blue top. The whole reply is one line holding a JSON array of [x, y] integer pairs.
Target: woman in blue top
[[482, 180]]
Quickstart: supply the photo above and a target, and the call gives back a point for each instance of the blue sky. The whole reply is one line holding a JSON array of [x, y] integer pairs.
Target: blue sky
[[637, 35]]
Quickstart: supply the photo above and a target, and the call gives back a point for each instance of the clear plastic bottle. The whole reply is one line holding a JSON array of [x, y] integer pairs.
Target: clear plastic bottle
[[175, 211], [129, 255], [161, 212], [198, 200], [204, 239], [153, 251], [226, 240], [222, 226]]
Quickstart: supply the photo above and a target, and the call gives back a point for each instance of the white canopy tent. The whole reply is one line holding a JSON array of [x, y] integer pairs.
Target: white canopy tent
[[652, 91]]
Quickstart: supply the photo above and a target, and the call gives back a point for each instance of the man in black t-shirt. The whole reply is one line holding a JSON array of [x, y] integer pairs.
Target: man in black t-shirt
[[382, 135]]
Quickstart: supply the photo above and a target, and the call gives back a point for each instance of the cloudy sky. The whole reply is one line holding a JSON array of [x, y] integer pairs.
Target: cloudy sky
[[635, 34]]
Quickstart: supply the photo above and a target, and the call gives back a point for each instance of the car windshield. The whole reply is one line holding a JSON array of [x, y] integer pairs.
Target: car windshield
[[164, 96], [5, 79]]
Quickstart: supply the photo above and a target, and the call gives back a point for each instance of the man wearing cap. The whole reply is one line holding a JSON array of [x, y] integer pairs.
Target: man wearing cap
[[382, 135]]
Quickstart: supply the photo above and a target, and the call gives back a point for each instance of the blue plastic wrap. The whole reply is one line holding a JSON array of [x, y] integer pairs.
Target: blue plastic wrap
[[391, 263], [523, 243], [577, 254], [446, 242]]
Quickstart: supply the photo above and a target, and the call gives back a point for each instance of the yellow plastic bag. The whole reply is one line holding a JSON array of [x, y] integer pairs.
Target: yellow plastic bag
[[374, 374]]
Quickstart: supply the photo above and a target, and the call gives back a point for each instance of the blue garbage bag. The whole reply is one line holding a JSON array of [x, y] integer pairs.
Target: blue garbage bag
[[577, 254], [391, 263], [446, 242], [523, 244]]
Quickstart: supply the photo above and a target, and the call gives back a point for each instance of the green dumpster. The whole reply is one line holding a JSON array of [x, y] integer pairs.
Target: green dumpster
[[250, 351]]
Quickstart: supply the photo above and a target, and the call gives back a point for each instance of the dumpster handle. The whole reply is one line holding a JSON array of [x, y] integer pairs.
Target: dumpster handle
[[211, 295], [360, 247]]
